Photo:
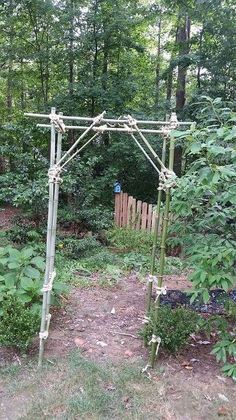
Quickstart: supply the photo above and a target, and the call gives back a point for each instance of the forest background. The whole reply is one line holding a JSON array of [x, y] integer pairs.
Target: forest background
[[143, 58]]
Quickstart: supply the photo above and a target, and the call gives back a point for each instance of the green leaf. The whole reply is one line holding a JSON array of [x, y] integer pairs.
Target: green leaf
[[27, 252], [205, 296], [32, 272], [26, 283], [195, 148], [24, 298], [13, 265], [10, 280], [13, 252], [225, 285], [38, 262]]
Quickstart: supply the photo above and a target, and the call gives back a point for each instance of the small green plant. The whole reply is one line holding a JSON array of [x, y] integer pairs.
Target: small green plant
[[18, 324], [110, 276], [174, 327], [21, 274]]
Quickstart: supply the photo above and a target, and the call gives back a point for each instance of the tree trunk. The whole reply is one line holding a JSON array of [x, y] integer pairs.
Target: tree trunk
[[199, 62], [71, 50], [9, 95], [182, 40], [158, 64], [95, 57]]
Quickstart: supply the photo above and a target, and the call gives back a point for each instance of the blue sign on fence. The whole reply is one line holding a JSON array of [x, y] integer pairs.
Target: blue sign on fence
[[117, 187]]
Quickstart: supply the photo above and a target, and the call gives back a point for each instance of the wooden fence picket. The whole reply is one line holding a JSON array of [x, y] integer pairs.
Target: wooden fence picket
[[138, 214]]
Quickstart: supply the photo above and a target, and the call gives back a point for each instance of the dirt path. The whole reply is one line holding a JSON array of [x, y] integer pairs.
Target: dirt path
[[104, 323]]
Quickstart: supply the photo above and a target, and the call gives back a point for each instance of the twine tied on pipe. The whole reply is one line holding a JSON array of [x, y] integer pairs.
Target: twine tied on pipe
[[155, 339], [48, 287], [167, 179], [58, 123], [130, 120], [98, 118], [44, 334], [159, 290], [101, 128], [54, 174], [152, 279]]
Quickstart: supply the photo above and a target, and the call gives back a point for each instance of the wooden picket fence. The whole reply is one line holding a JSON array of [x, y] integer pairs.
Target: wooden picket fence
[[134, 214]]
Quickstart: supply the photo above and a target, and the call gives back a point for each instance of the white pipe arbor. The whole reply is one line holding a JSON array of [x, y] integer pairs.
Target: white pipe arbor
[[97, 125]]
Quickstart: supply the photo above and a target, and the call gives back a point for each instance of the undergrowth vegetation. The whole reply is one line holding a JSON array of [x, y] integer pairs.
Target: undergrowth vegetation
[[174, 327]]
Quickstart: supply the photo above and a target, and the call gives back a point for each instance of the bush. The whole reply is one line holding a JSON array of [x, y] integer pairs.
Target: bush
[[76, 248], [173, 327], [21, 274], [93, 219], [24, 231], [137, 262], [18, 324], [131, 240], [100, 260]]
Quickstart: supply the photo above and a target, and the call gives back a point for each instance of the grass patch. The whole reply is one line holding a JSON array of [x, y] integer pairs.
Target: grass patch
[[76, 388]]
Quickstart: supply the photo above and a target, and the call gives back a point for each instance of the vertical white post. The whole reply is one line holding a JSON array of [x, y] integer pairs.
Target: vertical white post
[[56, 185], [45, 315]]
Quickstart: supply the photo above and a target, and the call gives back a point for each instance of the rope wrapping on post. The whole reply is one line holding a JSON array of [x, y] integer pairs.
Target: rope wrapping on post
[[54, 175], [167, 179], [155, 339], [58, 123], [43, 335], [48, 287]]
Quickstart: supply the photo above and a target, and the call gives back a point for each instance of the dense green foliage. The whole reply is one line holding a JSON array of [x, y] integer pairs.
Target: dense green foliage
[[18, 323], [20, 274], [205, 201], [174, 327]]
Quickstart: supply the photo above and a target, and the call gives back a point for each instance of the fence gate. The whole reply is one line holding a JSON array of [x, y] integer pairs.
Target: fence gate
[[134, 214]]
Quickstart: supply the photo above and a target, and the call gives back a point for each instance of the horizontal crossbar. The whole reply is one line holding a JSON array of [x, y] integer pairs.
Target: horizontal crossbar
[[118, 129], [108, 120]]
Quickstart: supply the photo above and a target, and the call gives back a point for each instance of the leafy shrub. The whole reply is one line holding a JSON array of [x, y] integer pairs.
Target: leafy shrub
[[96, 218], [205, 199], [18, 324], [225, 351], [173, 327], [137, 262], [92, 219], [24, 231], [76, 248], [131, 240], [20, 274], [142, 263], [100, 260], [225, 348], [230, 309]]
